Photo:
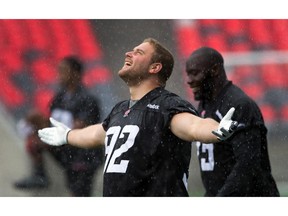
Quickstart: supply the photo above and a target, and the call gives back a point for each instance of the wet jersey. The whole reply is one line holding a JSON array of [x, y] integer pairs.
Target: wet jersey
[[82, 106], [239, 166], [143, 156]]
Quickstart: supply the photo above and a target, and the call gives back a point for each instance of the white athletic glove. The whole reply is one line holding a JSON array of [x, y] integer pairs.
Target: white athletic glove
[[226, 127], [56, 135]]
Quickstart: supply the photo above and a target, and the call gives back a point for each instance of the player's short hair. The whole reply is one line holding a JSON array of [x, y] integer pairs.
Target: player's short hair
[[164, 56], [75, 64]]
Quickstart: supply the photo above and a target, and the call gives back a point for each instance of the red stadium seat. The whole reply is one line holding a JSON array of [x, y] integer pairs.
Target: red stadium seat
[[269, 113], [284, 113], [240, 46], [254, 90], [62, 37], [235, 27], [188, 37], [4, 36], [42, 99], [12, 61], [249, 79], [39, 34], [260, 34], [210, 26], [273, 76], [280, 31], [217, 41], [16, 36], [244, 74], [86, 40], [9, 93], [213, 34], [237, 35], [44, 71], [284, 69], [97, 75]]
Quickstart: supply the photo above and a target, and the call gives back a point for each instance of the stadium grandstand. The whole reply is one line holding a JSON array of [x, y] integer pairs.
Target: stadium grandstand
[[255, 53], [30, 51]]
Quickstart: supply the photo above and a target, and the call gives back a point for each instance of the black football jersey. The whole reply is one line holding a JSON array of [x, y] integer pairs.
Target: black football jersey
[[239, 166], [143, 156], [81, 105]]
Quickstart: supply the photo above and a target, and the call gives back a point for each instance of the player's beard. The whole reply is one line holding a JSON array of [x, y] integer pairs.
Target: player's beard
[[133, 76]]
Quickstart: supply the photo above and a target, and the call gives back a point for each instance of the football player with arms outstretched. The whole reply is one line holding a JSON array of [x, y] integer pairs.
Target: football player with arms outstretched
[[148, 137]]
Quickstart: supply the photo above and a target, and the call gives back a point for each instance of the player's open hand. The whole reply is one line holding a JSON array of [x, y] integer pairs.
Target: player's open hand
[[56, 135], [226, 127]]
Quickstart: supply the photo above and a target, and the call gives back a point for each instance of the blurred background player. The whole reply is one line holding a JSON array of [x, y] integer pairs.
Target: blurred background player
[[239, 166], [73, 105]]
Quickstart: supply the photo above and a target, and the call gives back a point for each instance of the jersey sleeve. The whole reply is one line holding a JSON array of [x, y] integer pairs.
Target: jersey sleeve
[[177, 105]]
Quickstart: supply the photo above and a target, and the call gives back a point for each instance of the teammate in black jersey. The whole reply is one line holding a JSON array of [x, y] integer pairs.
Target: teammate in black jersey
[[239, 166], [147, 138], [77, 108]]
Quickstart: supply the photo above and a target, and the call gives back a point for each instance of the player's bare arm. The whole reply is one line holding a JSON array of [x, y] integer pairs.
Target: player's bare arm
[[190, 127], [87, 137]]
